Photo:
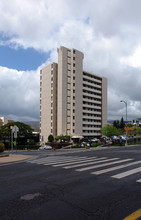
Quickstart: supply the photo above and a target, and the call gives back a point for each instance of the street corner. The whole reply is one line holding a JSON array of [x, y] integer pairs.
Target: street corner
[[11, 158]]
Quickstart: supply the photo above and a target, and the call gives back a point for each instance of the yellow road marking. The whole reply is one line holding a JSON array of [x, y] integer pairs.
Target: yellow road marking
[[135, 215]]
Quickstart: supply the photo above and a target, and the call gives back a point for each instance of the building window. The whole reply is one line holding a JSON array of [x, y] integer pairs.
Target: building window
[[52, 65], [51, 71], [73, 64], [69, 73], [69, 53]]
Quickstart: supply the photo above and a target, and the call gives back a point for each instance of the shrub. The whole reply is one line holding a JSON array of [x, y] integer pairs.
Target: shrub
[[2, 148], [28, 147], [50, 138]]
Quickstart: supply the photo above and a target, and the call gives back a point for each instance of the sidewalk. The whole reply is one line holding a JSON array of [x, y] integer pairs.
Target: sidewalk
[[13, 158]]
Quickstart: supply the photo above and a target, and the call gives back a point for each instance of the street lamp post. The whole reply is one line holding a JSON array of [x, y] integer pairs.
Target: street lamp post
[[125, 102]]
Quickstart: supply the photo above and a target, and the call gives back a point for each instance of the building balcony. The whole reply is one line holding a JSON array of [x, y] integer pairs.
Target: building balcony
[[90, 129], [91, 101], [92, 95], [92, 106], [91, 123], [92, 90], [91, 112], [91, 117], [94, 134], [87, 77], [92, 84]]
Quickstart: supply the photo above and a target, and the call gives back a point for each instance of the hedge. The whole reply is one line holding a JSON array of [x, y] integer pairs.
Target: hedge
[[2, 147]]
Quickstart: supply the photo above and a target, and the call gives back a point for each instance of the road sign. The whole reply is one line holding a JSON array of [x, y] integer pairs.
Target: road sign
[[15, 134], [15, 129]]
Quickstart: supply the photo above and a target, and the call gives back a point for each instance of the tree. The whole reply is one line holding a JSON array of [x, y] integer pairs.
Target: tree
[[109, 130], [116, 123], [122, 124], [63, 138], [25, 132], [50, 138]]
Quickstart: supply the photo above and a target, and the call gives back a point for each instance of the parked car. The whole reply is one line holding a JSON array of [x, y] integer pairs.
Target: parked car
[[45, 147], [102, 139], [83, 144], [95, 140], [116, 139]]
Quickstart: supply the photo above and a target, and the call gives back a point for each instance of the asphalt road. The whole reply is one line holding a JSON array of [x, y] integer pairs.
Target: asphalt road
[[67, 184]]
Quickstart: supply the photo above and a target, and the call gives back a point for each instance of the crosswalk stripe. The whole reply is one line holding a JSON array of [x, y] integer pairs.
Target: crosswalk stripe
[[139, 181], [68, 161], [53, 160], [58, 160], [116, 168], [82, 162], [101, 165], [86, 164], [127, 173]]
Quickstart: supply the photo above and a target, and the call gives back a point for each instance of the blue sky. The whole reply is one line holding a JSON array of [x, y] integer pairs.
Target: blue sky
[[21, 59]]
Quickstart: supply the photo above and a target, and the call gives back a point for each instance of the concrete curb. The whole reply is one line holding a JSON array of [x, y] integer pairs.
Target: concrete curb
[[13, 158]]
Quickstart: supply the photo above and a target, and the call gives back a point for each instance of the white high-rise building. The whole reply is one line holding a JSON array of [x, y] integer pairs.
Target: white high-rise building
[[72, 101]]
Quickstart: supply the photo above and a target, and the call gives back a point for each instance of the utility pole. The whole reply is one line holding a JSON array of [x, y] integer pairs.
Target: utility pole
[[125, 102]]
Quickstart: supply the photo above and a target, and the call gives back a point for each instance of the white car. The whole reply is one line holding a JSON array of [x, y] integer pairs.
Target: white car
[[45, 147]]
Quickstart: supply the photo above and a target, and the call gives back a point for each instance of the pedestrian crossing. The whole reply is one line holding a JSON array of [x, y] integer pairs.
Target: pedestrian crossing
[[94, 165]]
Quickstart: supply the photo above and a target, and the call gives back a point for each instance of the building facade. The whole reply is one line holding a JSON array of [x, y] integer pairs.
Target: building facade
[[4, 121], [72, 101]]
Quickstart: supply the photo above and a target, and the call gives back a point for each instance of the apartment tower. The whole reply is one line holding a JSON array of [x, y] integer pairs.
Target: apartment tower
[[72, 101]]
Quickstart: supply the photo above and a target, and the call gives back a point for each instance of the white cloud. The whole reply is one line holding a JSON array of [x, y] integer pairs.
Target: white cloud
[[19, 94], [133, 60]]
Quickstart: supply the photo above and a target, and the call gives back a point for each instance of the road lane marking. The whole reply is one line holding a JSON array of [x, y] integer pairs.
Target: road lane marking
[[78, 162], [47, 162], [127, 173], [134, 216], [71, 160], [116, 168], [98, 160], [54, 160], [101, 165], [139, 181]]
